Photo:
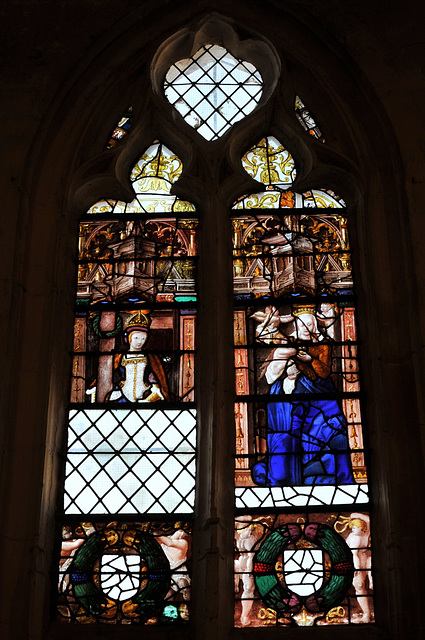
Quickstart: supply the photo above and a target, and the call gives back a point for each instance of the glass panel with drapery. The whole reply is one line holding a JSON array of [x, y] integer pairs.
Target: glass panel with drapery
[[306, 120], [302, 529], [302, 525], [131, 452], [121, 129]]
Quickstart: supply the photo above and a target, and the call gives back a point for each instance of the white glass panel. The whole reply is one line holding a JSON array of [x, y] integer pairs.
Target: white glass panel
[[120, 575], [303, 570], [213, 90], [250, 497]]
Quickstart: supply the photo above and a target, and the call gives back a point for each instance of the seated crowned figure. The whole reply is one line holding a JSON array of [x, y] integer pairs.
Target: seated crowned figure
[[138, 376]]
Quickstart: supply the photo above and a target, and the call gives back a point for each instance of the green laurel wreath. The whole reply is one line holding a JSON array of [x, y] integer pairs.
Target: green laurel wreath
[[107, 334], [277, 596], [147, 600]]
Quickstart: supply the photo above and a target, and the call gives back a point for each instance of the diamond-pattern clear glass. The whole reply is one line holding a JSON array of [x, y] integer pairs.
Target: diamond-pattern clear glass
[[129, 461], [213, 90]]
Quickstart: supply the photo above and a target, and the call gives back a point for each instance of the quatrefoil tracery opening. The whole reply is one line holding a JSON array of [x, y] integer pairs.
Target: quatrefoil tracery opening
[[213, 90]]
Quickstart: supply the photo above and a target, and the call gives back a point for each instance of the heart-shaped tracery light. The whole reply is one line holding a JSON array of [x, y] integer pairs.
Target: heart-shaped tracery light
[[212, 90]]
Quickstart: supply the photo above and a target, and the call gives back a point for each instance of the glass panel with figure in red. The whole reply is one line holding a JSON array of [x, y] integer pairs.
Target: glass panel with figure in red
[[131, 451]]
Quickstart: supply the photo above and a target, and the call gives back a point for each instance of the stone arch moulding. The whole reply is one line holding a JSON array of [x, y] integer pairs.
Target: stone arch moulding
[[56, 164], [217, 30]]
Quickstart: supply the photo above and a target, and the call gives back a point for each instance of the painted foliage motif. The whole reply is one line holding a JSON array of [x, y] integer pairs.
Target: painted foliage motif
[[132, 422], [299, 438]]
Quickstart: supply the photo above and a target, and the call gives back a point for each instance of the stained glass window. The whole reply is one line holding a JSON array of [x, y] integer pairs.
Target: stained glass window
[[302, 525], [131, 452], [122, 128], [306, 119], [301, 521], [212, 90]]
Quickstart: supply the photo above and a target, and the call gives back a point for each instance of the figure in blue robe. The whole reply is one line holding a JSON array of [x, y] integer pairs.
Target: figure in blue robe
[[307, 441]]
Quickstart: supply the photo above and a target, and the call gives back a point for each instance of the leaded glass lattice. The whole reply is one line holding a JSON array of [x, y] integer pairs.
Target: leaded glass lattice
[[299, 434], [123, 461], [131, 451], [213, 90]]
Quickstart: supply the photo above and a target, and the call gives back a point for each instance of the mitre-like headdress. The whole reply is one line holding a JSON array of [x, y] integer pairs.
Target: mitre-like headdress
[[139, 322]]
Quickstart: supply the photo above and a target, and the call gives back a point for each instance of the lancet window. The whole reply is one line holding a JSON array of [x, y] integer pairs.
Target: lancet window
[[302, 525], [131, 455], [301, 518]]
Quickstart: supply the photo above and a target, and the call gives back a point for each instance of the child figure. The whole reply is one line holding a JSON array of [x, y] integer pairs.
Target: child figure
[[358, 541], [268, 329]]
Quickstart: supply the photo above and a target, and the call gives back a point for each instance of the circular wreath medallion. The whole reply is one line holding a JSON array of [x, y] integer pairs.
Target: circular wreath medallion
[[154, 584], [276, 596], [107, 334]]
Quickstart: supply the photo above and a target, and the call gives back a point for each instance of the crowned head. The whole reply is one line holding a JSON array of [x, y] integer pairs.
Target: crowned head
[[137, 330], [306, 322], [139, 322]]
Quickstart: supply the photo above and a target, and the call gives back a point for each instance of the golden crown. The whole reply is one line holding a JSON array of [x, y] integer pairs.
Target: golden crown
[[140, 321], [301, 309]]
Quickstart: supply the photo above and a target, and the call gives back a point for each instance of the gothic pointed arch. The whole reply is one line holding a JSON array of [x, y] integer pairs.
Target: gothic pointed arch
[[67, 170]]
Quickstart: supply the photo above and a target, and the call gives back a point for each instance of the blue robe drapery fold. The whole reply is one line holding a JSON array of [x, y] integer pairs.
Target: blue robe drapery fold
[[307, 440]]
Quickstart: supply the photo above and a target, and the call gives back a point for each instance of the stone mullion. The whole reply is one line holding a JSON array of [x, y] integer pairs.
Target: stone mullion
[[213, 539]]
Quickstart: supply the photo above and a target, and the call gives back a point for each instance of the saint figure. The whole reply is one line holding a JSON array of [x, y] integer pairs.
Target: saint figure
[[307, 441], [138, 376]]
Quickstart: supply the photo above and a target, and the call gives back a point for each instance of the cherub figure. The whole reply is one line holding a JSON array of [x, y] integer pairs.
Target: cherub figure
[[268, 329], [175, 548], [247, 533], [358, 541]]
